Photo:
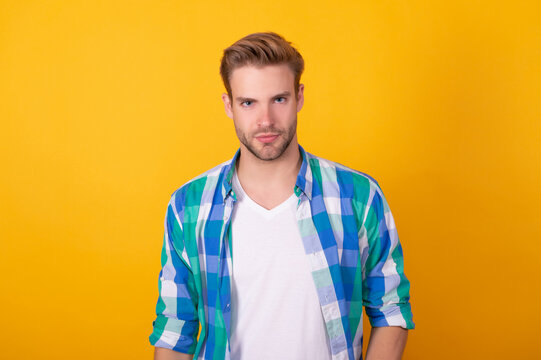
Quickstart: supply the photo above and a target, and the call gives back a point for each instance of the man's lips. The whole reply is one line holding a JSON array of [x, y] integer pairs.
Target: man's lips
[[267, 138]]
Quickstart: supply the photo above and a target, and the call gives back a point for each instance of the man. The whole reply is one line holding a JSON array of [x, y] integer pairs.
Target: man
[[275, 252]]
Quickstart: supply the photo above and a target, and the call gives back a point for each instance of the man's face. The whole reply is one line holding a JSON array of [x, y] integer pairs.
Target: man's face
[[264, 109]]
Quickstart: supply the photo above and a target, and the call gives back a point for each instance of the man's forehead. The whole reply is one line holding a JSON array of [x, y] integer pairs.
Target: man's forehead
[[264, 80]]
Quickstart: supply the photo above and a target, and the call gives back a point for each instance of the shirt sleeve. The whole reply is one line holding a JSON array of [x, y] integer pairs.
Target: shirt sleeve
[[176, 326], [385, 287]]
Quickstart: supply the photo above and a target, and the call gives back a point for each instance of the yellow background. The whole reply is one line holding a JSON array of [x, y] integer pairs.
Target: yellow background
[[107, 107]]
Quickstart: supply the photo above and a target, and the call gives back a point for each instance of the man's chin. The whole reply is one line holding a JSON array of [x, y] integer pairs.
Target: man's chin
[[268, 155], [267, 152]]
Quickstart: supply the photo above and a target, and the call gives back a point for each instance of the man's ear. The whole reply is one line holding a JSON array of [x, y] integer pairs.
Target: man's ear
[[300, 97], [227, 105]]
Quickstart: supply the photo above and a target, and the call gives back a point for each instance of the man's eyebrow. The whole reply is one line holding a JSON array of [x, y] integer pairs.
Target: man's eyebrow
[[243, 99], [282, 94]]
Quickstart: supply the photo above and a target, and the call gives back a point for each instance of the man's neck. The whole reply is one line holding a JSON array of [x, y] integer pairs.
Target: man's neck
[[269, 183]]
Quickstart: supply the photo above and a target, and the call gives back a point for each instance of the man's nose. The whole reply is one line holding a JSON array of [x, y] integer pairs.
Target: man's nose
[[266, 118]]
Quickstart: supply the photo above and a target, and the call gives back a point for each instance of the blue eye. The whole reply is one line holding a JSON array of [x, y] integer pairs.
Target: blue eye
[[246, 103], [280, 99]]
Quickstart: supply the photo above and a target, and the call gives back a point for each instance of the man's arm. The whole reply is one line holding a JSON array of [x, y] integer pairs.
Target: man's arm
[[385, 287], [166, 354], [177, 324], [386, 343]]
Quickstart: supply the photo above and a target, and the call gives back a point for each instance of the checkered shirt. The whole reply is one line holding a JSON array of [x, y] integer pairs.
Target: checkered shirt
[[349, 238]]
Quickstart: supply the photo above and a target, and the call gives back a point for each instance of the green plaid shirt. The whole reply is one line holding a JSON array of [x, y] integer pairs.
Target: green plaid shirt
[[349, 237]]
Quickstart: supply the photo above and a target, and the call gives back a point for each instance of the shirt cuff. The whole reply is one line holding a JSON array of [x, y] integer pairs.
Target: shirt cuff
[[391, 315], [175, 334]]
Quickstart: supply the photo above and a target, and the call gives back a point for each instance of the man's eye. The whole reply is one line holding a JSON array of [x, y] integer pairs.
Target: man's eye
[[246, 103], [280, 99]]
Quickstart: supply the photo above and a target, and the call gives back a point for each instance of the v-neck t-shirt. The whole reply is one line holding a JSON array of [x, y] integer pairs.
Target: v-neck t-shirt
[[275, 311]]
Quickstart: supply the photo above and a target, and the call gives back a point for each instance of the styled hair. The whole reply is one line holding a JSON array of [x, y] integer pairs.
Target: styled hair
[[260, 49]]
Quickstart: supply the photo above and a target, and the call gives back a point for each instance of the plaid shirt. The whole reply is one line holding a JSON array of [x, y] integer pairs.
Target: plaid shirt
[[349, 237]]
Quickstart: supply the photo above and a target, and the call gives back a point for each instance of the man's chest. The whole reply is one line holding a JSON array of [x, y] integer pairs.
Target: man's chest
[[266, 245]]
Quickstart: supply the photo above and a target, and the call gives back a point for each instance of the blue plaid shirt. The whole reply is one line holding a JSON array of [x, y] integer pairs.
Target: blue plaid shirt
[[349, 237]]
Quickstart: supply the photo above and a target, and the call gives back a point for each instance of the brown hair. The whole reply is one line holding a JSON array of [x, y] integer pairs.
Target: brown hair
[[261, 49]]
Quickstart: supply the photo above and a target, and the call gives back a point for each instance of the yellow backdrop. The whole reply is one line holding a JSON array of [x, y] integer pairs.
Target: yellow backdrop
[[107, 107]]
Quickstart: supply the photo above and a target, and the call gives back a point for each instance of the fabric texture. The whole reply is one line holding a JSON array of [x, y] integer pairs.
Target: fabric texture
[[349, 238], [273, 297]]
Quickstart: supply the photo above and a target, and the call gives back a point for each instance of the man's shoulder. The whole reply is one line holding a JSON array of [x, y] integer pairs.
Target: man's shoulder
[[205, 182], [331, 172]]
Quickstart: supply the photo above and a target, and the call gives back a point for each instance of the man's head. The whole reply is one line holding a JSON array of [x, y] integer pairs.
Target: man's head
[[261, 73], [261, 49]]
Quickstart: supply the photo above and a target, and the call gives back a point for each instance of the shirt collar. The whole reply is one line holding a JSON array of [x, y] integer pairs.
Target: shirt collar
[[303, 185]]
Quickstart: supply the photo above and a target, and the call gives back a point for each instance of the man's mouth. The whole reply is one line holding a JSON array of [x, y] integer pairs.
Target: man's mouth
[[267, 138]]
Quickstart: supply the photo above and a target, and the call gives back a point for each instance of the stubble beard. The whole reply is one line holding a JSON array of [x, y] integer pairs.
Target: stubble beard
[[264, 155]]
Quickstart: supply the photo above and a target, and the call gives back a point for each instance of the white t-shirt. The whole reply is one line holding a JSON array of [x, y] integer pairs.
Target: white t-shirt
[[275, 311]]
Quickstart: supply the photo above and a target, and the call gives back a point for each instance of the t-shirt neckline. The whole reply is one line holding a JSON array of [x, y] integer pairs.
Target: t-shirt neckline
[[243, 196]]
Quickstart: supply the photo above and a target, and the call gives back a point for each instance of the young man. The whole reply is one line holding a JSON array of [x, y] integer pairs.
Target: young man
[[275, 252]]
